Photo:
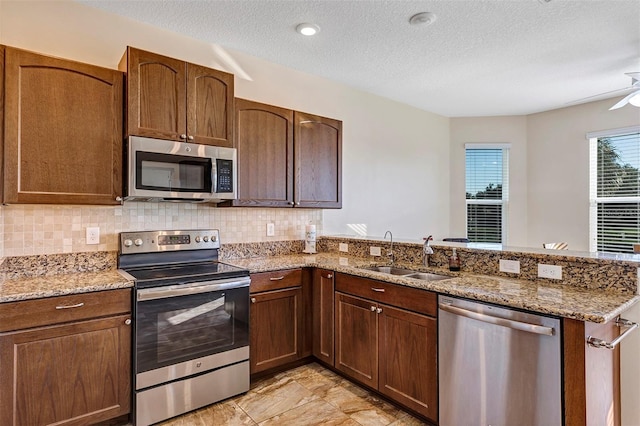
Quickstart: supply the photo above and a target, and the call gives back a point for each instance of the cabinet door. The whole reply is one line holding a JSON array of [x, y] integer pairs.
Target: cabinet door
[[209, 106], [63, 131], [318, 150], [275, 327], [72, 374], [323, 315], [156, 95], [264, 138], [408, 359], [356, 351]]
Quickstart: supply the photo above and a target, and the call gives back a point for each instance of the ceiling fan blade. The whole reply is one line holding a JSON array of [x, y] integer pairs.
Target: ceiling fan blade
[[599, 95], [634, 76], [624, 100]]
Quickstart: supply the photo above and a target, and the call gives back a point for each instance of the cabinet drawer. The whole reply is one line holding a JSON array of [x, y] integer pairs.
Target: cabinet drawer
[[59, 309], [275, 280], [409, 298]]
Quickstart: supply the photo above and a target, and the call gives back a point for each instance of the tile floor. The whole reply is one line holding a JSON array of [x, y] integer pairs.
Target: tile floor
[[307, 395]]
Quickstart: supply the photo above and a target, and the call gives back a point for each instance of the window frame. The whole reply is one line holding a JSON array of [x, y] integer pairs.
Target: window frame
[[504, 202], [594, 200]]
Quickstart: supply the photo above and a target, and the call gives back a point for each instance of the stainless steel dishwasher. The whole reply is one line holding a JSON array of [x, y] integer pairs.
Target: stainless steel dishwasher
[[497, 366]]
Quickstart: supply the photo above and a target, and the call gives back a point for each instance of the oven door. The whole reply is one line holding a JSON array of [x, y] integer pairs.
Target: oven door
[[187, 329]]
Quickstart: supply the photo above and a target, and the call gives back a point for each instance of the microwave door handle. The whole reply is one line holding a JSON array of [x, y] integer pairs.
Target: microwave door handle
[[214, 176]]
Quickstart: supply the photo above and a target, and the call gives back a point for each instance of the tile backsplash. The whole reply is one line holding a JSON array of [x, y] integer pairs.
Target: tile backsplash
[[47, 229]]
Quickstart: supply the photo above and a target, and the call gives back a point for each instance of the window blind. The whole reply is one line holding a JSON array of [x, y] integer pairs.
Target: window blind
[[615, 192], [486, 193]]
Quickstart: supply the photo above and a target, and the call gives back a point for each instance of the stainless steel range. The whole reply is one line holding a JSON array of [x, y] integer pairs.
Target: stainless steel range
[[191, 316]]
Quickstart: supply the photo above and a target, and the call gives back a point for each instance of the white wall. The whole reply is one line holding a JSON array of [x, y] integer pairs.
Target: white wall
[[558, 164], [512, 130], [384, 142]]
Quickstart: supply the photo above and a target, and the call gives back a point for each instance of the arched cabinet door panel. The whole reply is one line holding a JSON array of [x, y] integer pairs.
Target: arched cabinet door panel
[[63, 131]]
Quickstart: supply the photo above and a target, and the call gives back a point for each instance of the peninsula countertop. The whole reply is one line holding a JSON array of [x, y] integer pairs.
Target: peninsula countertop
[[540, 296]]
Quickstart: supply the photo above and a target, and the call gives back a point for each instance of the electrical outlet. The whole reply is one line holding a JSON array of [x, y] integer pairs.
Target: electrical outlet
[[93, 235], [512, 266], [549, 271], [375, 251], [271, 229], [344, 247]]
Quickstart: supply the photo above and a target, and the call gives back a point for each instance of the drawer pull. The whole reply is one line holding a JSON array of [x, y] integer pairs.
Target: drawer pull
[[277, 278], [253, 300], [77, 305], [373, 309], [127, 321], [379, 290]]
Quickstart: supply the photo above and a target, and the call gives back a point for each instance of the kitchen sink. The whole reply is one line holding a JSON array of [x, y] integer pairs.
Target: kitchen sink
[[407, 273], [390, 270], [427, 276]]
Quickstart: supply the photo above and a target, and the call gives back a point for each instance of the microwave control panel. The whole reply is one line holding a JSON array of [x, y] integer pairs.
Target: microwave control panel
[[224, 175]]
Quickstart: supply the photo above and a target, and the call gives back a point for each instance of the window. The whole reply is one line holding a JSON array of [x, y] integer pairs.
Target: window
[[615, 190], [487, 188]]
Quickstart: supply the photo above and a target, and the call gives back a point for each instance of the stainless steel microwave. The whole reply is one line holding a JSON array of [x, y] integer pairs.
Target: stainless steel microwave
[[160, 170]]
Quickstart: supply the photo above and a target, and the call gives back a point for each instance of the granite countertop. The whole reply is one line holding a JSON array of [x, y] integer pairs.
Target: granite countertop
[[539, 296], [15, 289]]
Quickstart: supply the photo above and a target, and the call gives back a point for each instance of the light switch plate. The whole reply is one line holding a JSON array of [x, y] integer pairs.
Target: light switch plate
[[93, 235], [344, 247], [511, 266], [375, 251], [549, 271], [271, 229]]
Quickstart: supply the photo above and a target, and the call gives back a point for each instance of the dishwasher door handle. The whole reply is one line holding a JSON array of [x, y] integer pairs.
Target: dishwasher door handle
[[504, 322]]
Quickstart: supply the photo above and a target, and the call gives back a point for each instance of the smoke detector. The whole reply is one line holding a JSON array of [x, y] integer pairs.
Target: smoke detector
[[423, 18]]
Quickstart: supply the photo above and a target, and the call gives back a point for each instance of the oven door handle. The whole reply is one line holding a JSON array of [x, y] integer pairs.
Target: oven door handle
[[192, 288]]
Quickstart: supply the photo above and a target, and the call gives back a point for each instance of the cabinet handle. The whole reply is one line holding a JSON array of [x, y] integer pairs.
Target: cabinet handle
[[329, 276], [379, 310], [253, 300], [127, 321], [298, 203], [291, 203], [599, 343], [119, 199], [190, 138], [373, 309], [379, 290], [277, 278], [183, 136], [77, 305]]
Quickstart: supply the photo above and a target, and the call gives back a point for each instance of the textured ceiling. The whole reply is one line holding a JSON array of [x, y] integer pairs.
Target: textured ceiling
[[479, 58]]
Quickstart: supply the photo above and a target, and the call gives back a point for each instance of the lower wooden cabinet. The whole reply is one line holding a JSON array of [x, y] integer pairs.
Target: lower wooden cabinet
[[276, 319], [387, 348], [70, 373]]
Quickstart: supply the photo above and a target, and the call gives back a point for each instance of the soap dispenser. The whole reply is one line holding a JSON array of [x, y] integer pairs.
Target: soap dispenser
[[454, 261]]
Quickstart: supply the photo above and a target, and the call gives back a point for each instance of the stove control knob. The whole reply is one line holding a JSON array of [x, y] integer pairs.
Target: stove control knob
[[198, 239], [138, 242], [214, 238], [128, 243], [205, 239]]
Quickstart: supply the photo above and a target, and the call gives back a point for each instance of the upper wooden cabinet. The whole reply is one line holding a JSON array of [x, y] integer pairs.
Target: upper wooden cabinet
[[264, 138], [62, 131], [318, 164], [287, 158], [175, 100]]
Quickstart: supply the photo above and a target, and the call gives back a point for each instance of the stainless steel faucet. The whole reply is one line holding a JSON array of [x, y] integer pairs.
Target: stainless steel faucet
[[390, 252], [426, 250]]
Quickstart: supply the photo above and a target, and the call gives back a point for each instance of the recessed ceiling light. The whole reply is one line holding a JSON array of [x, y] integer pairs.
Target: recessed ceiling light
[[423, 18], [308, 29]]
